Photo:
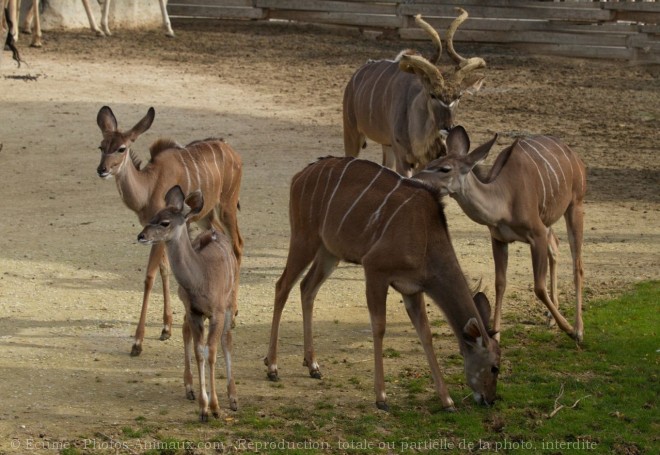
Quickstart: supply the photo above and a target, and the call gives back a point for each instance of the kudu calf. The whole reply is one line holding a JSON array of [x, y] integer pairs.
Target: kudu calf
[[210, 166], [530, 186], [407, 105], [206, 270], [357, 211]]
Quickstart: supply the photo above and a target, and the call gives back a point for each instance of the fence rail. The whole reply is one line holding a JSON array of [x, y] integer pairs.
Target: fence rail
[[590, 29]]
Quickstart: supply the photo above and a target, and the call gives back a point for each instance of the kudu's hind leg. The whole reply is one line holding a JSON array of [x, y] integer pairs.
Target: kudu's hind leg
[[323, 266], [227, 348], [553, 256], [417, 313], [539, 247], [574, 225]]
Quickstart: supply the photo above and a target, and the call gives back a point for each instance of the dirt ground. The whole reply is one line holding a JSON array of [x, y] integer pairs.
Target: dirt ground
[[71, 270]]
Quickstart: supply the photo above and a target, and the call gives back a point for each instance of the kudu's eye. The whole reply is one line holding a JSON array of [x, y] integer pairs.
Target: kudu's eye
[[444, 169], [164, 223], [495, 370], [121, 149]]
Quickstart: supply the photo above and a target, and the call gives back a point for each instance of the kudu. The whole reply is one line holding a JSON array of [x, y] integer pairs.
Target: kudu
[[104, 30], [211, 166], [531, 185], [206, 270], [407, 105], [7, 37], [357, 211], [32, 18]]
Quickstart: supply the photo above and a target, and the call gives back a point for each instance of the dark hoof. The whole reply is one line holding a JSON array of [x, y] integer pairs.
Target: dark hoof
[[449, 409], [316, 374], [216, 414], [382, 406], [165, 335], [203, 416], [272, 375], [190, 395], [136, 350]]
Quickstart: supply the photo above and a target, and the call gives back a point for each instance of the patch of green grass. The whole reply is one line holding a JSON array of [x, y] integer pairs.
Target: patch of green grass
[[554, 397], [390, 353]]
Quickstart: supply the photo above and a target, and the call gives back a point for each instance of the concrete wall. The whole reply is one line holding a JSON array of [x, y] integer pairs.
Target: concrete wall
[[123, 14]]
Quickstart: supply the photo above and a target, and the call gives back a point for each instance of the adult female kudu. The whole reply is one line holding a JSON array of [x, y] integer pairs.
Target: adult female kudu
[[360, 212], [211, 166], [206, 270], [407, 105], [530, 186]]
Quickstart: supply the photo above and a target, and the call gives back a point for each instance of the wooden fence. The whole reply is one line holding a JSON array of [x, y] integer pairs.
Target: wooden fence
[[590, 29]]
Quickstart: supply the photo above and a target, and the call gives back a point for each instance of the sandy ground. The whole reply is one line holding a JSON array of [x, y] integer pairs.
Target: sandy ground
[[71, 271]]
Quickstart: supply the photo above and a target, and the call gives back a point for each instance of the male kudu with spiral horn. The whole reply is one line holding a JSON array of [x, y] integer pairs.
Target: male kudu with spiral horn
[[407, 104]]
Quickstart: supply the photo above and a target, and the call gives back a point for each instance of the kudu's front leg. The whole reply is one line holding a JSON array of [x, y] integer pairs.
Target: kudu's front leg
[[417, 313], [501, 259], [156, 257], [321, 269], [376, 301]]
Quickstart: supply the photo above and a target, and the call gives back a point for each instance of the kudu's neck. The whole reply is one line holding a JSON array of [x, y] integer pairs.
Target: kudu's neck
[[184, 260], [449, 289], [133, 184], [484, 203]]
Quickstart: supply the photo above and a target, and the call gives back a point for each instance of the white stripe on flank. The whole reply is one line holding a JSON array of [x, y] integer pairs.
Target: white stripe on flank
[[215, 161], [359, 197], [540, 176], [549, 152], [192, 158], [547, 166], [570, 161], [374, 217], [316, 185], [387, 225], [373, 89], [183, 163], [341, 176], [356, 75]]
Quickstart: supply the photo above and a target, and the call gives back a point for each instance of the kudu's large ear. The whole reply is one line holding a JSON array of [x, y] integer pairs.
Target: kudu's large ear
[[195, 201], [472, 334], [473, 85], [106, 120], [143, 125], [483, 307], [480, 153], [175, 198], [458, 142]]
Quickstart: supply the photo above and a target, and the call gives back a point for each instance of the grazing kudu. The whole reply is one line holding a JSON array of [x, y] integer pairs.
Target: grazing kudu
[[407, 105], [360, 212], [206, 270], [530, 186], [210, 166]]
